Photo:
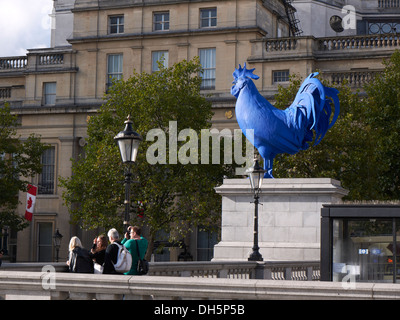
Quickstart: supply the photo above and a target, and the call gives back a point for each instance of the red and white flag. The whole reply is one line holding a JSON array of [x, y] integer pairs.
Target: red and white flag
[[30, 202]]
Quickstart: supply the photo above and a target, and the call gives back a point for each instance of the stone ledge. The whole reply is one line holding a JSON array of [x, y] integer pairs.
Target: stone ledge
[[15, 285], [283, 186]]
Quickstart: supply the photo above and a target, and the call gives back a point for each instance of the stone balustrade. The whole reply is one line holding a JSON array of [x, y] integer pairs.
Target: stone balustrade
[[326, 44], [38, 60], [50, 59], [13, 63], [354, 78], [376, 41], [5, 93], [356, 47], [56, 286], [304, 270], [281, 44], [185, 280], [33, 281], [388, 3], [275, 270]]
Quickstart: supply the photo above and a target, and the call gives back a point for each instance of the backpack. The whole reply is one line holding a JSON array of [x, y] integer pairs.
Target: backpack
[[124, 259], [142, 265]]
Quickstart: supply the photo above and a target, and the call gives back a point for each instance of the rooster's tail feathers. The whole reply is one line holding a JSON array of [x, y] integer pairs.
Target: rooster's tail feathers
[[333, 94], [319, 107], [324, 123]]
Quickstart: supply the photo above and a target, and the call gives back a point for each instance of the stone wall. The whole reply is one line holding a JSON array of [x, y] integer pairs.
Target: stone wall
[[289, 218]]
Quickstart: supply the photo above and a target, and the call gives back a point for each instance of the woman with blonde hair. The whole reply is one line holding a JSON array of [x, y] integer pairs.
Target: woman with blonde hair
[[79, 260]]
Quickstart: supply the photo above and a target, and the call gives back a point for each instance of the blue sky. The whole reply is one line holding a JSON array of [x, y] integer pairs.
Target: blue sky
[[24, 24]]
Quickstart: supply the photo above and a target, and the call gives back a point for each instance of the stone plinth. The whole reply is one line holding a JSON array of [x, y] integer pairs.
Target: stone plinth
[[288, 223]]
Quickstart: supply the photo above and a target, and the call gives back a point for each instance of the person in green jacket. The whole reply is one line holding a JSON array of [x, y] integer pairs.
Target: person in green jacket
[[131, 237]]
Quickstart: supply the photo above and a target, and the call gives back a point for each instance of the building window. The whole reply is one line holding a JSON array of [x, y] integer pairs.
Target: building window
[[208, 18], [280, 76], [159, 56], [46, 178], [206, 241], [116, 24], [161, 21], [162, 246], [207, 61], [44, 241], [114, 69], [383, 27], [49, 93]]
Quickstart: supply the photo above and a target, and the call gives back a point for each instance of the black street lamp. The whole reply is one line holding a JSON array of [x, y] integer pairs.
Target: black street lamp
[[256, 175], [57, 242], [4, 243], [128, 143]]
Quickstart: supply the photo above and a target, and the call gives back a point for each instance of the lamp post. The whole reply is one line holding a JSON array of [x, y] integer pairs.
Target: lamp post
[[57, 242], [4, 243], [256, 175], [128, 143]]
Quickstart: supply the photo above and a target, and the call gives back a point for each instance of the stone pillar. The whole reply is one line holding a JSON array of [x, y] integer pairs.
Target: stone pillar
[[289, 218]]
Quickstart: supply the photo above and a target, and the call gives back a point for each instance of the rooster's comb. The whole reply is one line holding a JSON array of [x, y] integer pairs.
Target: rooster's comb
[[243, 72]]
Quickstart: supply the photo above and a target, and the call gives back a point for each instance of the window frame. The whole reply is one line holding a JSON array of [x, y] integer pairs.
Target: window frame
[[280, 76], [114, 75], [49, 98], [211, 20], [208, 69], [46, 179], [117, 25], [161, 54], [44, 249], [164, 23]]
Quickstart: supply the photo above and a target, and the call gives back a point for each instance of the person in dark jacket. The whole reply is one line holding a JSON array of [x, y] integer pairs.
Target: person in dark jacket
[[111, 255], [79, 260], [98, 252]]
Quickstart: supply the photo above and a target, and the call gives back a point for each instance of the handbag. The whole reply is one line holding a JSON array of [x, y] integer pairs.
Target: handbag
[[142, 267], [98, 268]]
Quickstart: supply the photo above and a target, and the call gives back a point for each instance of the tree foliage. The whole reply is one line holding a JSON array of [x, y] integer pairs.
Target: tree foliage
[[383, 117], [173, 196], [361, 150], [19, 160]]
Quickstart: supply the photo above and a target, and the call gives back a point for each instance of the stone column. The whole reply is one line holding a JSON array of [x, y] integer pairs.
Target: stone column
[[289, 218]]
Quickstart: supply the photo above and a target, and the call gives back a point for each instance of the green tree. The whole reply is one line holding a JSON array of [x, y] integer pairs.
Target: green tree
[[19, 160], [346, 153], [383, 117], [173, 196], [361, 150]]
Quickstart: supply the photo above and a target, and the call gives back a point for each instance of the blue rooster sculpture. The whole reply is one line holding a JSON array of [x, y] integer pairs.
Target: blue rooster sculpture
[[283, 131]]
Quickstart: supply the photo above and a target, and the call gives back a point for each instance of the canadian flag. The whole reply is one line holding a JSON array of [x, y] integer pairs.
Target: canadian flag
[[30, 202]]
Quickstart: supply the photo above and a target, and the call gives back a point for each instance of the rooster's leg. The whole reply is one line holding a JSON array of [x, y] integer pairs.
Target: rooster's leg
[[268, 163]]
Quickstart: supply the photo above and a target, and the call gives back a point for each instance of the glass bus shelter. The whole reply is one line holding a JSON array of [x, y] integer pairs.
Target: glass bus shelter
[[360, 243]]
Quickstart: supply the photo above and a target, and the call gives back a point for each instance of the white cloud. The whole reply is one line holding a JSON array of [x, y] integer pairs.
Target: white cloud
[[24, 24]]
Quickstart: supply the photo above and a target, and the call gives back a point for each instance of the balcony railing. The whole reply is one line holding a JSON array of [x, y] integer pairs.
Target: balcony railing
[[51, 59], [5, 93], [389, 3], [281, 44], [327, 44], [13, 63], [391, 40], [354, 78], [328, 48]]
